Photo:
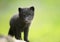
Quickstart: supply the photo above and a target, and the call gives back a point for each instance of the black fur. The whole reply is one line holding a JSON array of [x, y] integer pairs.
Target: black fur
[[21, 22]]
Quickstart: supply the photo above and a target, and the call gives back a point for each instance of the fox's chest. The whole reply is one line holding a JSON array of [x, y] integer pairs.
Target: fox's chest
[[20, 23]]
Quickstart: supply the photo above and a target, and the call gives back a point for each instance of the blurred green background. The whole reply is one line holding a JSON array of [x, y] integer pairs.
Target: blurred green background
[[46, 24]]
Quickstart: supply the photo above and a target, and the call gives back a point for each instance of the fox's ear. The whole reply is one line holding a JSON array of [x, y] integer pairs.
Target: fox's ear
[[32, 8], [19, 9]]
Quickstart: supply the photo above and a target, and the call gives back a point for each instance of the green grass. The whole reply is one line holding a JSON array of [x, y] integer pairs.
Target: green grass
[[45, 26]]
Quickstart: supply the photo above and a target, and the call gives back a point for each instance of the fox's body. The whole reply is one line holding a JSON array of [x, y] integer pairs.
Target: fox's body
[[21, 22]]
